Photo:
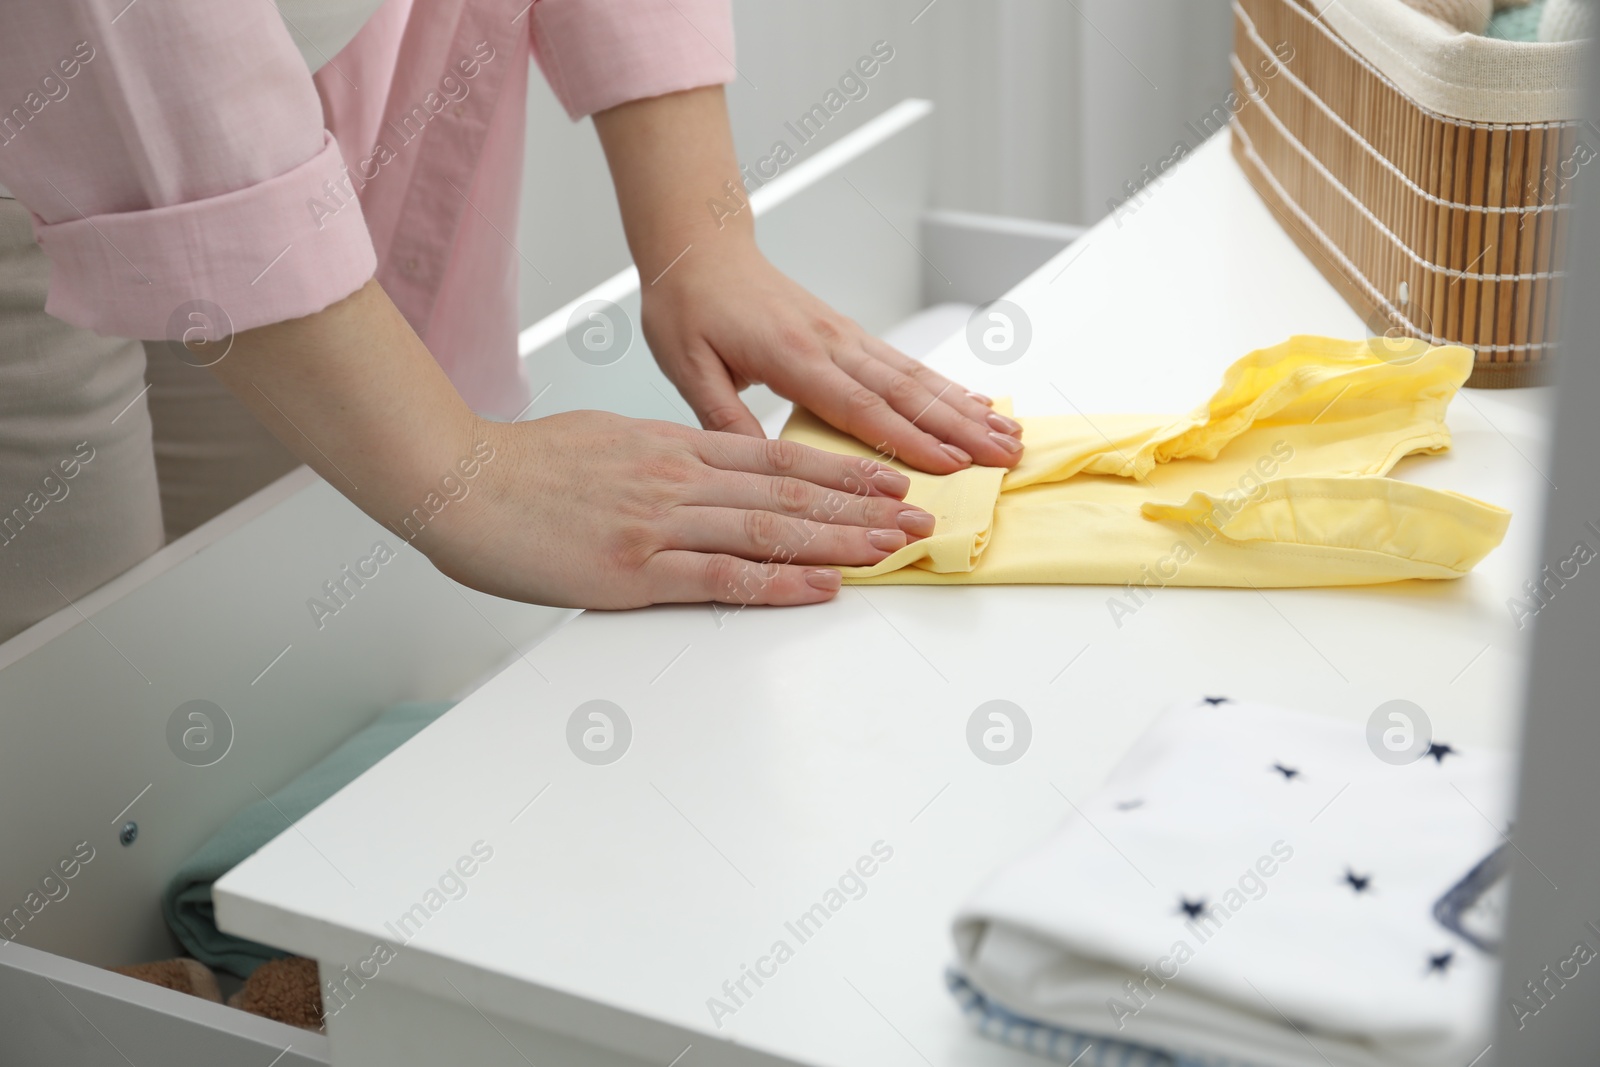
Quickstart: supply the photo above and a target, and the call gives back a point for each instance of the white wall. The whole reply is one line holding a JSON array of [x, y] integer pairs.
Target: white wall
[[1039, 113], [1148, 67]]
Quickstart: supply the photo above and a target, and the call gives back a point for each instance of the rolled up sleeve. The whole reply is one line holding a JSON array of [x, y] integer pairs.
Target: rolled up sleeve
[[597, 54], [173, 156]]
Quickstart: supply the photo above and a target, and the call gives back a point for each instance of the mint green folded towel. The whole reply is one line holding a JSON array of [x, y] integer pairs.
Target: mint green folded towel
[[1517, 23], [186, 904]]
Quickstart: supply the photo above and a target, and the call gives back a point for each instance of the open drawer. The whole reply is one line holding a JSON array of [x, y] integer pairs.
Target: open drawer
[[95, 696]]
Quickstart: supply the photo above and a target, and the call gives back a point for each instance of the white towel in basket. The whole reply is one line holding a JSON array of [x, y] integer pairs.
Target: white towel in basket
[[1257, 885], [1568, 20]]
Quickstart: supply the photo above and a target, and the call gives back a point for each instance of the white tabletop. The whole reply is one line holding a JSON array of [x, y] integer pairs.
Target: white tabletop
[[772, 750]]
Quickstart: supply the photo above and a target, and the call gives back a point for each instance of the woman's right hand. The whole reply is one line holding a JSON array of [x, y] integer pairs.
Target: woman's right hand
[[589, 509]]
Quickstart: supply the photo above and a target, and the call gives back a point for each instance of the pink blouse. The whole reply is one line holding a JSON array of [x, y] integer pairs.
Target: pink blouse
[[177, 156]]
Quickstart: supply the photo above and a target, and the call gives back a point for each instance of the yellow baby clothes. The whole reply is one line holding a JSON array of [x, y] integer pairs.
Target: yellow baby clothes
[[1276, 481]]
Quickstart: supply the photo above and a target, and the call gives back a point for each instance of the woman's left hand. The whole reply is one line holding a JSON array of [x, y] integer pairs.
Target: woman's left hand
[[721, 320]]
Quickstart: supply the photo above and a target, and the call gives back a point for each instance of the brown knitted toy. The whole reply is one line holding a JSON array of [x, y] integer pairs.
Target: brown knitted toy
[[184, 975], [286, 990]]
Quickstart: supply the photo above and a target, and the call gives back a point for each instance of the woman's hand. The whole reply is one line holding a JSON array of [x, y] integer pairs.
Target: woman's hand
[[725, 318], [585, 509], [589, 509], [719, 317]]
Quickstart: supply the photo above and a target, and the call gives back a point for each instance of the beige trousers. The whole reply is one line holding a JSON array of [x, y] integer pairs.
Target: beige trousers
[[107, 450]]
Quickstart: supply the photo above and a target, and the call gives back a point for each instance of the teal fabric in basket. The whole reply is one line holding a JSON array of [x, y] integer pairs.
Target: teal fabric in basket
[[1517, 23], [186, 904]]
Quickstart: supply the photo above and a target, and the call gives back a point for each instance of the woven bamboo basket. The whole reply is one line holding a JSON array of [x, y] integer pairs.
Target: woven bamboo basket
[[1441, 227]]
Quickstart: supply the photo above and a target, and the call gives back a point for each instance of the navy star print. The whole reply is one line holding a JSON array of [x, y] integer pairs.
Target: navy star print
[[1439, 752], [1440, 962], [1192, 908], [1289, 773], [1358, 882], [1214, 701]]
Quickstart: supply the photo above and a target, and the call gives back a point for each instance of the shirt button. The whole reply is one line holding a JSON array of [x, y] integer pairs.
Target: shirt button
[[411, 266]]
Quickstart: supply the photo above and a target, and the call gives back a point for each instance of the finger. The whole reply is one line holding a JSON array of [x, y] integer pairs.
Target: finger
[[864, 414], [714, 396], [679, 577], [766, 537], [930, 412], [799, 499], [975, 406], [788, 459]]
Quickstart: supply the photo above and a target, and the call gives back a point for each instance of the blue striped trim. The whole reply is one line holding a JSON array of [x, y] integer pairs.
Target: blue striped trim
[[1042, 1039]]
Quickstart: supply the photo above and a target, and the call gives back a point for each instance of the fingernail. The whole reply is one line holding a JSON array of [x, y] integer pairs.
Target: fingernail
[[1005, 425], [956, 454], [915, 523], [1005, 441], [887, 540], [980, 398], [827, 581], [892, 482]]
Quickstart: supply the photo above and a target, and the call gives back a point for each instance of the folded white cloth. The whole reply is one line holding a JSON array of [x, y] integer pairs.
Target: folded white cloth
[[1468, 16], [1258, 886], [1568, 20]]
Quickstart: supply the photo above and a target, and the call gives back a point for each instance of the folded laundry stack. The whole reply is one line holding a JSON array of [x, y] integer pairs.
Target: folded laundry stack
[[277, 985], [186, 903], [1251, 886], [1278, 480]]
